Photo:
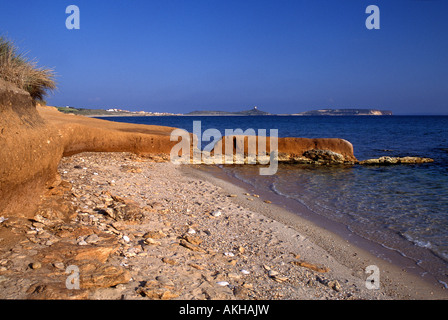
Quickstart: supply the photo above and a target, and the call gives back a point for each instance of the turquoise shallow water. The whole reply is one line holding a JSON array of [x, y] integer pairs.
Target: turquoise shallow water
[[403, 208]]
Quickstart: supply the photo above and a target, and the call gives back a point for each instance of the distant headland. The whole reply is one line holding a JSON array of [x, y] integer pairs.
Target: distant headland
[[345, 112], [321, 112]]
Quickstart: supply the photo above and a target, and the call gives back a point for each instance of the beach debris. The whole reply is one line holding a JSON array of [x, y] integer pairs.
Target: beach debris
[[191, 231], [216, 213], [151, 241], [267, 201], [2, 219], [232, 195], [333, 284], [126, 238], [93, 238], [222, 283], [81, 242], [154, 234], [274, 275], [193, 239], [229, 254], [169, 261], [59, 265], [256, 196], [310, 266], [165, 281], [192, 247], [196, 266], [244, 271]]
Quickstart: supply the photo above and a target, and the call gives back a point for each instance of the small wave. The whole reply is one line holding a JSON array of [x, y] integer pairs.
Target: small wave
[[444, 284], [417, 242]]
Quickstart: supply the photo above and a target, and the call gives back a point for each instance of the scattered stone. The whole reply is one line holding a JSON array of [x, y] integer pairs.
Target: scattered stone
[[55, 291], [272, 273], [196, 266], [276, 276], [311, 266], [267, 201], [82, 242], [93, 238], [333, 284], [36, 265], [191, 246], [169, 261], [154, 234], [157, 293], [165, 281], [222, 283], [104, 277], [216, 213], [193, 239], [151, 241]]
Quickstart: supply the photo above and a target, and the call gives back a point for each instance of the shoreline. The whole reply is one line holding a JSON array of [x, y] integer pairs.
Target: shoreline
[[144, 229], [400, 275]]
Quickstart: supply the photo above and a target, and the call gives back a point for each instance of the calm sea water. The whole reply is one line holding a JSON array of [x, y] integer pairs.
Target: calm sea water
[[403, 208]]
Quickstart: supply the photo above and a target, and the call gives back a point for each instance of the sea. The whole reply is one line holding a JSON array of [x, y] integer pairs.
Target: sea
[[401, 208]]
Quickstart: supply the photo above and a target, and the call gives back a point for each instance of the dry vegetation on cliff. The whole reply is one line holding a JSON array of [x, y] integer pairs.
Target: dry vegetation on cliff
[[19, 70]]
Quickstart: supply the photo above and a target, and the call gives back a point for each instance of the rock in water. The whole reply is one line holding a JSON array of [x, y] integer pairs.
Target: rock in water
[[324, 156], [395, 160]]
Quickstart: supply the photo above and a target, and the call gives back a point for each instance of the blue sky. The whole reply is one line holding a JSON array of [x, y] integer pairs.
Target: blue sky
[[282, 56]]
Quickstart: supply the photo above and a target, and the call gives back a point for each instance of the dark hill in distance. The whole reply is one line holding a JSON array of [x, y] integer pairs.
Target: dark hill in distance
[[251, 112]]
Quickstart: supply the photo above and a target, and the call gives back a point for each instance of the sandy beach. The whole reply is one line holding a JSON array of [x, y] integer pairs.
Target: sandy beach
[[142, 229]]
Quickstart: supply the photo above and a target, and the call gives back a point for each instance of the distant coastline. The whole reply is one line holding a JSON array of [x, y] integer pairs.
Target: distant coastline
[[251, 112]]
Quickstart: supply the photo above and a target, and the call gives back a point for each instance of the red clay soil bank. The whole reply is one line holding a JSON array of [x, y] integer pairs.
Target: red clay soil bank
[[34, 139], [30, 152], [293, 149]]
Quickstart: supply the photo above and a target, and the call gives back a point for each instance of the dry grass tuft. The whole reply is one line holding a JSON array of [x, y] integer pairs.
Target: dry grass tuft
[[17, 69]]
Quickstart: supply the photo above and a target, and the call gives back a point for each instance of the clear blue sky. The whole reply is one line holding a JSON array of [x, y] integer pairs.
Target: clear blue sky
[[283, 56]]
